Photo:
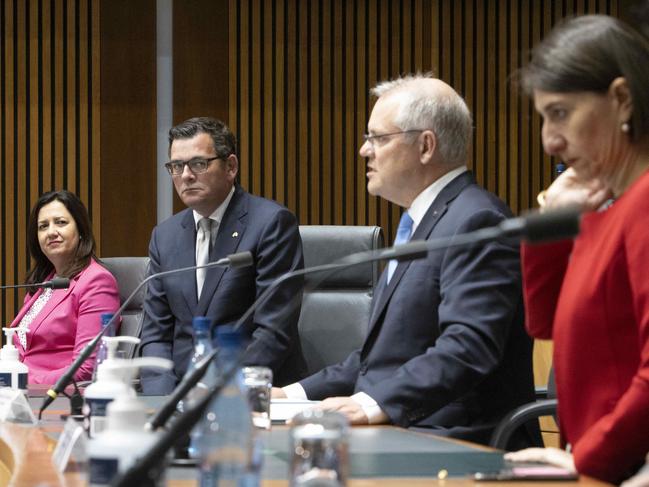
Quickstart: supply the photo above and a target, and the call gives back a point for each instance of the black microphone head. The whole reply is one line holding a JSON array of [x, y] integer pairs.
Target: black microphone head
[[551, 225], [58, 283], [240, 259]]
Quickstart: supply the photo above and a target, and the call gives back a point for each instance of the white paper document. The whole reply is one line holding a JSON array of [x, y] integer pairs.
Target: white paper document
[[284, 409]]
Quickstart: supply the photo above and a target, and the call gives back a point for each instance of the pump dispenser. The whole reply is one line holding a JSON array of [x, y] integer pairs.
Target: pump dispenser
[[109, 384], [124, 439], [13, 373]]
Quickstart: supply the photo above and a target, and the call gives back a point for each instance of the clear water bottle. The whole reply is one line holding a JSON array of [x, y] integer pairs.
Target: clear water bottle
[[102, 352], [202, 348], [229, 454]]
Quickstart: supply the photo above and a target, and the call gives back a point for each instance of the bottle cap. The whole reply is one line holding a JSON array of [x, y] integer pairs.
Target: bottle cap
[[105, 371], [105, 318], [127, 412], [9, 351], [201, 324], [228, 337]]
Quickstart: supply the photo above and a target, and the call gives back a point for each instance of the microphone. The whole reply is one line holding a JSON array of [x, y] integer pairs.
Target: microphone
[[241, 259], [535, 227], [56, 283]]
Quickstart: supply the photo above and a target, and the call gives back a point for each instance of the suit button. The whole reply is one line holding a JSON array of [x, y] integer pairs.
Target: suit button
[[363, 370]]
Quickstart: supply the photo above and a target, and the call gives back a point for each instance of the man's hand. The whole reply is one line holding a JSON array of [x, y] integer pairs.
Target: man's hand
[[277, 393], [551, 456], [346, 406]]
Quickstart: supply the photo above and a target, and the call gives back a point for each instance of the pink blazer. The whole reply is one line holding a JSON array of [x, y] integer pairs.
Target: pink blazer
[[69, 320]]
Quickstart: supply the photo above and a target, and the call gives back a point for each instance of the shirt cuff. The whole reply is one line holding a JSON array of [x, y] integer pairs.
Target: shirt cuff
[[374, 413], [294, 391]]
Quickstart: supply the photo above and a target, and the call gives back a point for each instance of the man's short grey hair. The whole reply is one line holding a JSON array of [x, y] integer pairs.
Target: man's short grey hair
[[446, 115]]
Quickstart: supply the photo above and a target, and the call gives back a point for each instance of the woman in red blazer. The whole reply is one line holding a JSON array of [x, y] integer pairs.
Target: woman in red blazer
[[589, 81], [60, 322]]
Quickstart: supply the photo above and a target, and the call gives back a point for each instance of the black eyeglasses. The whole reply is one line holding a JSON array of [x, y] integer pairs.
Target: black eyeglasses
[[374, 138], [196, 165]]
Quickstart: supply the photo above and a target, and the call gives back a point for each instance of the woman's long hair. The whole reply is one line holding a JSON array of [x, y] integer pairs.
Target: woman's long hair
[[85, 249]]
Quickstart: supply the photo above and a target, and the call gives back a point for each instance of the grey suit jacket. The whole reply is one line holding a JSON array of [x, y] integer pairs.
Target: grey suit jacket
[[270, 232]]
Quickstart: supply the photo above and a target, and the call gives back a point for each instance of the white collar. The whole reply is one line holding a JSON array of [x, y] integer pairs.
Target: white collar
[[422, 202]]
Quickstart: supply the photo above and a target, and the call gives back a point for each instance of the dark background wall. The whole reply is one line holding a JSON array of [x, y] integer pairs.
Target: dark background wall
[[291, 77]]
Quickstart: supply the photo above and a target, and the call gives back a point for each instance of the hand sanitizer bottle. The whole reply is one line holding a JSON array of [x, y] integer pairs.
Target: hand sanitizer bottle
[[13, 373], [110, 383], [124, 439]]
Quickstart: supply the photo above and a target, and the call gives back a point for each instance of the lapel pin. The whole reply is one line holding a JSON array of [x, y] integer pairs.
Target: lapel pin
[[235, 234]]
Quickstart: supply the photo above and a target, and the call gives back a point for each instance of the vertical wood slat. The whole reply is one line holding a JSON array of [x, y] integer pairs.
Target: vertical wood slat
[[37, 94], [328, 53], [10, 225]]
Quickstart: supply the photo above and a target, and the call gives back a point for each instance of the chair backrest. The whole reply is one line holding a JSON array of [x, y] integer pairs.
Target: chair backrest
[[335, 315], [129, 272]]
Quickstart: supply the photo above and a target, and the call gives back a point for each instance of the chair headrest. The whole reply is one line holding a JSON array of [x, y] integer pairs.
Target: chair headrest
[[129, 272], [324, 244]]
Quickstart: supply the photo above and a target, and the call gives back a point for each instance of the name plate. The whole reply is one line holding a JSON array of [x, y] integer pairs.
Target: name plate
[[72, 439], [14, 407]]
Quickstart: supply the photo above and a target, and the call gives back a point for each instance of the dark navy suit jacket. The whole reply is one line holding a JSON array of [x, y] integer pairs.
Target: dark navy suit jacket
[[270, 232], [446, 347]]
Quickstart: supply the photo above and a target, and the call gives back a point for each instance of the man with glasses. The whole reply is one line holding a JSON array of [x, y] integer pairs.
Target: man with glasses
[[221, 219], [446, 348]]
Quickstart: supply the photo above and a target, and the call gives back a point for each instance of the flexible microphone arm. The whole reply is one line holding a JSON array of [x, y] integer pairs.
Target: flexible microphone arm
[[535, 227], [56, 283], [241, 259]]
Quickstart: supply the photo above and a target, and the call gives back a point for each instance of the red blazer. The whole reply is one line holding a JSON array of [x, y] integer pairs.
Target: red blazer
[[69, 320], [592, 299]]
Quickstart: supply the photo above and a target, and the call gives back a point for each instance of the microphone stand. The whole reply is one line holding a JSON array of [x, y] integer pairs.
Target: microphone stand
[[235, 260]]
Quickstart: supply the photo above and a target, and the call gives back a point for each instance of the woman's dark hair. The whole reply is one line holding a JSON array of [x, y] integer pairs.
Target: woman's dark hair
[[586, 54], [85, 250]]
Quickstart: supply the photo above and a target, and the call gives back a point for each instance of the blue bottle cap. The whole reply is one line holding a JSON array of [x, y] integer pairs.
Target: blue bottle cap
[[201, 323], [227, 336], [105, 318]]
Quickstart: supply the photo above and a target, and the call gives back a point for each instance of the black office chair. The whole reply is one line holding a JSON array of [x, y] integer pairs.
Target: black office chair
[[129, 272], [545, 405], [335, 315]]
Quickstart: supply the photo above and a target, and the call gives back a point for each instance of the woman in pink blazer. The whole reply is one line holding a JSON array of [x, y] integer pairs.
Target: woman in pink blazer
[[58, 323]]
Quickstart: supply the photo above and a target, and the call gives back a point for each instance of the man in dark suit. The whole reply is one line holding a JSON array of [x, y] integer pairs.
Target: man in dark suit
[[446, 347], [221, 219]]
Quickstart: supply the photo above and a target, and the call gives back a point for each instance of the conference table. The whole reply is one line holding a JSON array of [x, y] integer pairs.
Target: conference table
[[379, 455]]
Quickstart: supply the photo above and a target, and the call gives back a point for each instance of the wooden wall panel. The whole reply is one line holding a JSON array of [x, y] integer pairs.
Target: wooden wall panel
[[301, 71], [48, 118], [127, 61], [77, 84]]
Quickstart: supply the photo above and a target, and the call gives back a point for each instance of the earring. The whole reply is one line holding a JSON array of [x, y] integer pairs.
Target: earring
[[625, 127]]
